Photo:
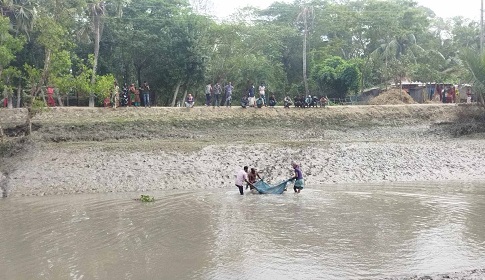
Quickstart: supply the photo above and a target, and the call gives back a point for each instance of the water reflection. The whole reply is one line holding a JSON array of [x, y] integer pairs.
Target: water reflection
[[327, 233]]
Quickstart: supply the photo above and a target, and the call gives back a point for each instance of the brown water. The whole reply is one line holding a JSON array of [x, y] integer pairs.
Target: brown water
[[354, 232]]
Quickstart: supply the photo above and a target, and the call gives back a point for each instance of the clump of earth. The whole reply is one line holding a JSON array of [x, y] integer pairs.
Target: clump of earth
[[392, 97]]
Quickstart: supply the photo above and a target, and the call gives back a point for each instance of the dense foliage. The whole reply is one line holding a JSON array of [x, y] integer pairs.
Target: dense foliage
[[80, 46]]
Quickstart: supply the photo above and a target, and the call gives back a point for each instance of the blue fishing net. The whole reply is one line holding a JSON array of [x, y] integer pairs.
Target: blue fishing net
[[264, 188]]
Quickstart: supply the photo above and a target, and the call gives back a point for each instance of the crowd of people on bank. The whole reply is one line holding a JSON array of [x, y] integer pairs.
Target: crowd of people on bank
[[129, 96], [216, 95], [447, 93]]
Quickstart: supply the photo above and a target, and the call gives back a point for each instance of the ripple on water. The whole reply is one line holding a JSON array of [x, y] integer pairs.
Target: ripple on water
[[325, 232]]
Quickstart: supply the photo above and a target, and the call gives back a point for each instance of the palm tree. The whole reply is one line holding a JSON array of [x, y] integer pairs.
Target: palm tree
[[22, 14], [305, 13], [96, 12], [475, 62], [401, 50]]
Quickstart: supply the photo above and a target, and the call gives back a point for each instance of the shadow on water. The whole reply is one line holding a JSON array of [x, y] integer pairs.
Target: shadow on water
[[323, 233]]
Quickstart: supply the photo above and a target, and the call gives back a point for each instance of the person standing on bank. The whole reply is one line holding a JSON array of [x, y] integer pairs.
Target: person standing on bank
[[116, 95], [241, 178], [251, 98], [262, 93], [146, 94], [217, 89], [229, 88], [299, 183], [208, 91]]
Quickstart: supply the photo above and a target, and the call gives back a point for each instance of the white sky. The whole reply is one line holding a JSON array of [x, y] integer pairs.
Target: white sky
[[443, 8]]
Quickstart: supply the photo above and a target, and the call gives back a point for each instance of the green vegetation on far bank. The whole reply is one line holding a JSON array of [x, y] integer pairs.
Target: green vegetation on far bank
[[333, 48]]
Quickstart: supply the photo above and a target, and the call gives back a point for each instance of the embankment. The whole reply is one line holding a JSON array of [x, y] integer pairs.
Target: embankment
[[82, 150]]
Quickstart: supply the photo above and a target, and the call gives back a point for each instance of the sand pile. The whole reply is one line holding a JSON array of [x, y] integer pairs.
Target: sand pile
[[392, 97]]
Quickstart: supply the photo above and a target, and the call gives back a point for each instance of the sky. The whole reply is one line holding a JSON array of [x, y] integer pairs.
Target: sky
[[443, 8]]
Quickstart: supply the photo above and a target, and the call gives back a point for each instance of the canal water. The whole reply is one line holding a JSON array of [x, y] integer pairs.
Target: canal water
[[326, 232]]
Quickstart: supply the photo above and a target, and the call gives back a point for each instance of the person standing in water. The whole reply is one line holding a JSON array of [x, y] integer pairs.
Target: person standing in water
[[241, 177], [299, 182], [253, 177]]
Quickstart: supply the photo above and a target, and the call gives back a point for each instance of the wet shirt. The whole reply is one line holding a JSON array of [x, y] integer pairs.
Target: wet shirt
[[241, 176], [299, 175]]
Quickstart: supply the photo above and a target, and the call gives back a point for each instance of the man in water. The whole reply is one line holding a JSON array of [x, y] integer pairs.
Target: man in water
[[299, 183], [241, 177], [252, 176]]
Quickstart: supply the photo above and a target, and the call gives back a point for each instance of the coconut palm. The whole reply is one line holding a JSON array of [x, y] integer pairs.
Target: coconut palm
[[96, 11], [397, 47], [21, 13], [475, 62], [305, 14]]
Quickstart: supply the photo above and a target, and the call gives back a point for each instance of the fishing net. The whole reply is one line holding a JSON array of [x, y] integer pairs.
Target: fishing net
[[264, 188]]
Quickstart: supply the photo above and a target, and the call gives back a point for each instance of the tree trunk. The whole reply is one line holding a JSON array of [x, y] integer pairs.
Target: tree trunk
[[97, 39], [400, 91], [30, 115], [47, 60], [19, 94], [177, 88], [59, 100], [43, 97], [305, 81], [184, 98], [138, 75]]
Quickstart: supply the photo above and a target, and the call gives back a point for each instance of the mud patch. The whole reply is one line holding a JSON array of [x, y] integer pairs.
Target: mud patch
[[476, 274], [20, 130]]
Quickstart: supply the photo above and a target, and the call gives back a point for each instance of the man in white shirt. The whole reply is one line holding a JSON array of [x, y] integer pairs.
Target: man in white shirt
[[241, 177], [208, 90], [262, 93]]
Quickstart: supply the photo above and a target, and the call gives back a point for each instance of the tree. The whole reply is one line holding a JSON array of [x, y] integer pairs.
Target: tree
[[96, 10], [305, 14], [21, 13], [336, 77], [475, 63], [52, 37], [9, 46]]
